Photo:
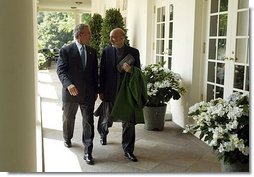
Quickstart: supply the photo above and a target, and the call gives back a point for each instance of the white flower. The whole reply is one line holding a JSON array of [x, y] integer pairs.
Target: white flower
[[162, 84], [235, 112], [224, 125], [221, 148]]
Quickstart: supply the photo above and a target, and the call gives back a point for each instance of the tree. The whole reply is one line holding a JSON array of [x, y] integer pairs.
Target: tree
[[85, 18], [113, 19], [55, 29], [95, 24]]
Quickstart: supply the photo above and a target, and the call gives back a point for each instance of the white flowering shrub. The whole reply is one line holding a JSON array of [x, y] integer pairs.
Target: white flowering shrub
[[162, 84], [224, 125]]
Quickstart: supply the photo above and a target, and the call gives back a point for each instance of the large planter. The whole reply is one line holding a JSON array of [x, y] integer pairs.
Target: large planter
[[235, 167], [154, 117]]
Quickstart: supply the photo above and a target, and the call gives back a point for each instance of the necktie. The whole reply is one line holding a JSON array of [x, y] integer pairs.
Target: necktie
[[83, 57]]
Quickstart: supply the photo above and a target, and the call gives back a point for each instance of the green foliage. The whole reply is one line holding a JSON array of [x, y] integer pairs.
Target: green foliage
[[54, 29], [85, 18], [113, 19], [41, 61], [95, 24], [45, 59]]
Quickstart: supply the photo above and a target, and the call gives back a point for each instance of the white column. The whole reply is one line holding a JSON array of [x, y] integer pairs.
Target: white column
[[77, 18], [17, 86]]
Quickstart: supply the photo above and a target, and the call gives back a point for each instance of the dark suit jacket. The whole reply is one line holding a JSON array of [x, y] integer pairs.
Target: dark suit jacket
[[108, 71], [70, 71]]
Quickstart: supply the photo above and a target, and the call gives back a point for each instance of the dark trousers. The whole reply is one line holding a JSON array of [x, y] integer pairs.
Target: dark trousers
[[128, 136], [69, 116]]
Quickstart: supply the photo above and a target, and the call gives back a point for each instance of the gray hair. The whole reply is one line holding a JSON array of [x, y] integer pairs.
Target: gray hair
[[79, 29]]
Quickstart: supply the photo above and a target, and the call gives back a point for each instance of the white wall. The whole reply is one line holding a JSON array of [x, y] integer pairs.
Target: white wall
[[137, 26]]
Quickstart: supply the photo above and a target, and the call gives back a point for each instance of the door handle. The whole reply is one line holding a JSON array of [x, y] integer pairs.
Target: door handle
[[225, 58], [233, 58]]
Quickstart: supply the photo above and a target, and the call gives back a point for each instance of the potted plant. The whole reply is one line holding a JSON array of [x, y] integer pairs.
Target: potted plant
[[224, 125], [162, 85]]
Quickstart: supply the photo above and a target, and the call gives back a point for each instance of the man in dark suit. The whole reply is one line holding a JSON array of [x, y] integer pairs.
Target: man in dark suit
[[77, 69], [110, 81]]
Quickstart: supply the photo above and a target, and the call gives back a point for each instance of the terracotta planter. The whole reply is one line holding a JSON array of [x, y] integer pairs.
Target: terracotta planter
[[154, 117]]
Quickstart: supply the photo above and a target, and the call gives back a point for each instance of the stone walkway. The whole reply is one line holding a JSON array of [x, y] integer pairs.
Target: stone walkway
[[167, 151]]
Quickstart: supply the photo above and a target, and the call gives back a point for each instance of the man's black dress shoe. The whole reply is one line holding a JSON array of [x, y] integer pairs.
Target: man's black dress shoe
[[67, 144], [131, 156], [103, 141], [89, 159]]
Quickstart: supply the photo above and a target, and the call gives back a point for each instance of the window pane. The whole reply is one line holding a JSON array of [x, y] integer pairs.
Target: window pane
[[210, 89], [171, 9], [158, 30], [223, 25], [159, 59], [214, 6], [170, 47], [212, 49], [170, 30], [169, 62], [211, 72], [158, 14], [242, 23], [241, 51], [221, 49], [163, 30], [223, 5], [239, 77], [163, 14], [220, 73], [159, 46], [219, 92], [213, 25], [243, 4]]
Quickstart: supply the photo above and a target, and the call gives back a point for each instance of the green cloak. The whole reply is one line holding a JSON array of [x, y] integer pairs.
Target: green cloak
[[131, 98]]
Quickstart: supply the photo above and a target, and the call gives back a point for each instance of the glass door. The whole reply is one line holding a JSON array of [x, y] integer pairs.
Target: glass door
[[164, 32], [240, 48], [227, 57]]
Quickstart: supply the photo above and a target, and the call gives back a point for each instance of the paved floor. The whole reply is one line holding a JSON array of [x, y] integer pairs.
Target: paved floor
[[167, 151]]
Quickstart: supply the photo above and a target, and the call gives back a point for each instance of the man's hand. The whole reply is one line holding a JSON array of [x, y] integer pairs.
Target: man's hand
[[127, 68], [72, 90]]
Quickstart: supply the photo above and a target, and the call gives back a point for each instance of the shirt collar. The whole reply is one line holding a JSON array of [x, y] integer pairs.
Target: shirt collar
[[79, 45]]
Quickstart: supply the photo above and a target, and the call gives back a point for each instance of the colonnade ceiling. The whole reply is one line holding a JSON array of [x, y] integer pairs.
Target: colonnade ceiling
[[64, 5]]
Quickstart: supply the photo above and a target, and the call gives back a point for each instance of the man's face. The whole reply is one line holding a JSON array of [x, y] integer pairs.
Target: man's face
[[116, 39], [85, 36]]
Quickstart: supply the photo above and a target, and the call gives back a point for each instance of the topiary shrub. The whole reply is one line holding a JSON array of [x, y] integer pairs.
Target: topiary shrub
[[95, 24]]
